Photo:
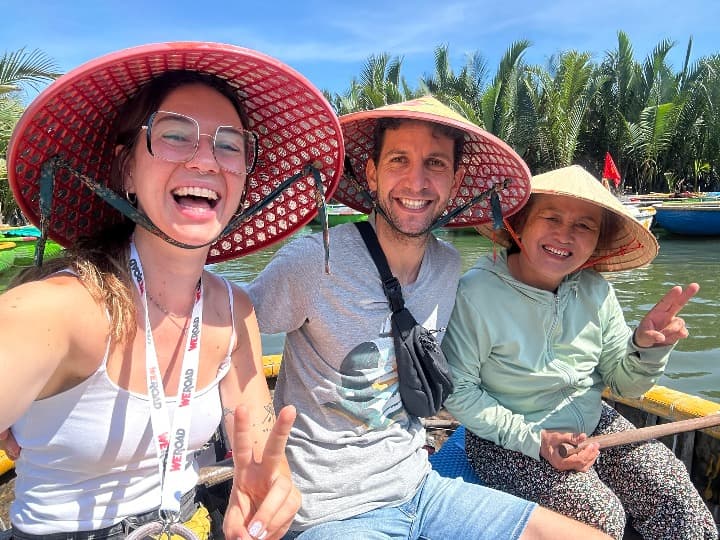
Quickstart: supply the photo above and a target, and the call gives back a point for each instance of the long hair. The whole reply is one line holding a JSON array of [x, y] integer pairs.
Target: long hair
[[101, 261]]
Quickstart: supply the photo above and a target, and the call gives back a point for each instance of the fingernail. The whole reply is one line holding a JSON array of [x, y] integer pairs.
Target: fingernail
[[263, 535], [255, 528]]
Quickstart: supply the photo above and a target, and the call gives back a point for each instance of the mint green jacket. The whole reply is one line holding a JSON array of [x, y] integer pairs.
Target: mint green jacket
[[525, 359]]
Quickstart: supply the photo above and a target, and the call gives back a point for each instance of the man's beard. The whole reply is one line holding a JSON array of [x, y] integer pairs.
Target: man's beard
[[389, 218]]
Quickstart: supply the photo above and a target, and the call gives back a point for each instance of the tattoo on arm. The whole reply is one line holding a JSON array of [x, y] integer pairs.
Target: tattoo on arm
[[226, 411]]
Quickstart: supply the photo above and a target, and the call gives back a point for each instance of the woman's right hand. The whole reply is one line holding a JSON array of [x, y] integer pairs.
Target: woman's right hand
[[582, 461], [263, 500], [9, 445]]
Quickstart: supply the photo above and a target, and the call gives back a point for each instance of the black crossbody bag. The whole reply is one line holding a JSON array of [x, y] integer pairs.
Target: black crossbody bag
[[423, 373]]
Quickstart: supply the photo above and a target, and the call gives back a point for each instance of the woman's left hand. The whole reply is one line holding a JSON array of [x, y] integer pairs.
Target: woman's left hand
[[581, 461], [9, 445], [263, 501], [661, 326]]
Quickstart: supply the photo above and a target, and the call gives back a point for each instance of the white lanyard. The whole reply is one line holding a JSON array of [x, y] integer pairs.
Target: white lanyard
[[171, 442]]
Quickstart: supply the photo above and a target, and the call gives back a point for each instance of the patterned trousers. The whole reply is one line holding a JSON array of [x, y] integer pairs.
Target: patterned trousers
[[643, 481]]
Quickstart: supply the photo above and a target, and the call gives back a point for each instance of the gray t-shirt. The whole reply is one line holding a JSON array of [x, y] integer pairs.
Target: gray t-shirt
[[353, 447]]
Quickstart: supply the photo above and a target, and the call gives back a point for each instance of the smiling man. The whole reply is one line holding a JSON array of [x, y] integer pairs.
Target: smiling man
[[356, 453]]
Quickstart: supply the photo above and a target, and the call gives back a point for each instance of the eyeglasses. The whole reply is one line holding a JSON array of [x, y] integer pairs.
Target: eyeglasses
[[175, 137]]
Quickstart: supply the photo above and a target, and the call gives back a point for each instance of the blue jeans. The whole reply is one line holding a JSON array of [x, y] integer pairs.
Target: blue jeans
[[442, 508]]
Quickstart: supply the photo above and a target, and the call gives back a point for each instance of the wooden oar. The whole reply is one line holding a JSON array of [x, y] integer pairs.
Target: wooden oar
[[642, 434], [216, 474]]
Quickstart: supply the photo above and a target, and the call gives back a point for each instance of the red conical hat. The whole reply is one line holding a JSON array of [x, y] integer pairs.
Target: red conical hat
[[73, 116]]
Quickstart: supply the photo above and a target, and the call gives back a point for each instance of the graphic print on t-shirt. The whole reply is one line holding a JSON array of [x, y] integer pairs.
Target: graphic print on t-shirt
[[368, 386]]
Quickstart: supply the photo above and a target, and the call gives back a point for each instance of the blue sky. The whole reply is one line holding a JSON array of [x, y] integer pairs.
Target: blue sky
[[329, 41]]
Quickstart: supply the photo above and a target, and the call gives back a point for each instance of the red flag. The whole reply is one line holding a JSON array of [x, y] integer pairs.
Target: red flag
[[610, 171]]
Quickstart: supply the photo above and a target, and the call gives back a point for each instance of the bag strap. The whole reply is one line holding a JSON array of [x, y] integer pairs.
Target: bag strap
[[391, 285]]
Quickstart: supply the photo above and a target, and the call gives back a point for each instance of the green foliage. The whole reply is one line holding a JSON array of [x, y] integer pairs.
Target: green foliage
[[22, 67], [661, 126], [17, 69], [10, 112], [380, 83], [656, 122]]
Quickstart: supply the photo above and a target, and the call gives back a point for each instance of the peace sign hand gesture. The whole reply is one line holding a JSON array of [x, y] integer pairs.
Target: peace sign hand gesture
[[661, 326], [263, 501]]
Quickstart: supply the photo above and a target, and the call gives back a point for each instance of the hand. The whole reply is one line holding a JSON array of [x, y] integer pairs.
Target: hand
[[9, 444], [582, 461], [263, 501], [661, 326]]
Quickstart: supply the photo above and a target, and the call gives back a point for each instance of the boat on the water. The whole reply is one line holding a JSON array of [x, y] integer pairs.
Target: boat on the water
[[689, 218], [17, 246], [6, 463], [699, 450], [644, 214], [657, 198], [339, 213]]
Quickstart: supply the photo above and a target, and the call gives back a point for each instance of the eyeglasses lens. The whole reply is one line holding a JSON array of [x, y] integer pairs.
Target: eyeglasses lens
[[175, 137]]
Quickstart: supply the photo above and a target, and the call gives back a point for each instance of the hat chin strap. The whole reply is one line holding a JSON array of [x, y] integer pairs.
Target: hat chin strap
[[624, 250], [47, 181]]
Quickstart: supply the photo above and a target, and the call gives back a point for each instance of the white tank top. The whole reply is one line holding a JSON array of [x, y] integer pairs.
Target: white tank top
[[88, 459]]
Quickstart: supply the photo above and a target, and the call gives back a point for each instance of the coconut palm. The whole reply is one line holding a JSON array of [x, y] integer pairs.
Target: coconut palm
[[649, 138], [614, 103], [25, 68], [645, 114], [10, 111], [380, 83], [710, 139], [657, 123], [562, 96], [18, 69], [690, 100], [500, 112], [462, 92], [501, 106]]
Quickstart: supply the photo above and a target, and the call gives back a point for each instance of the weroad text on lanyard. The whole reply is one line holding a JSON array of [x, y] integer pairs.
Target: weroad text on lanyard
[[171, 442]]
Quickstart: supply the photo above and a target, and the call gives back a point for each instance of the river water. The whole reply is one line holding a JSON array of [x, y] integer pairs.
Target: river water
[[694, 366]]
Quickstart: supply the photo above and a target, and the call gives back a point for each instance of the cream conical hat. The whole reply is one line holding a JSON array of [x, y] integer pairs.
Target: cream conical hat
[[633, 245]]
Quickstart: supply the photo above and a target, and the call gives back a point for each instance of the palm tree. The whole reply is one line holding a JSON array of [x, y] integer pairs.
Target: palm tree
[[462, 92], [645, 115], [710, 138], [605, 123], [658, 124], [502, 106], [17, 69], [499, 106], [562, 95], [650, 137], [380, 83], [686, 142]]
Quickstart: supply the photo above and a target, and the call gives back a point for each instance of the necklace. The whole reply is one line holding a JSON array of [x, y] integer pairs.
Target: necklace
[[171, 316], [165, 310]]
